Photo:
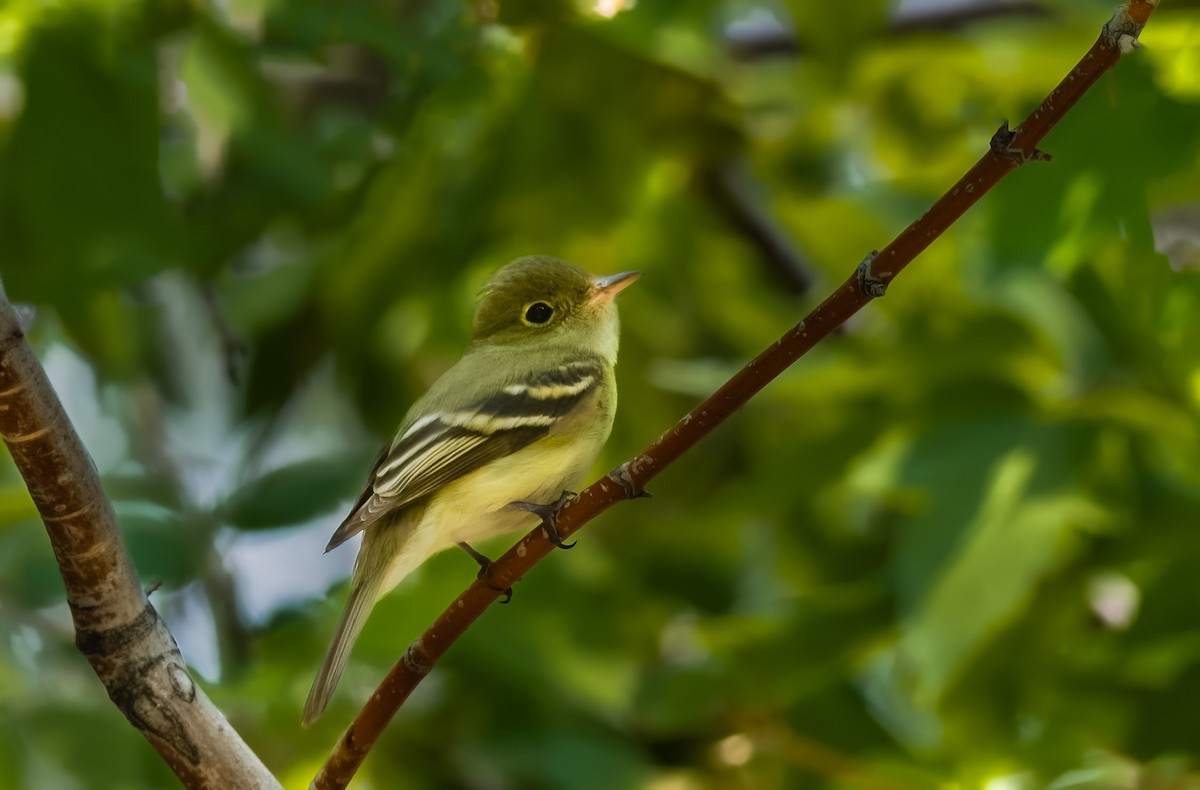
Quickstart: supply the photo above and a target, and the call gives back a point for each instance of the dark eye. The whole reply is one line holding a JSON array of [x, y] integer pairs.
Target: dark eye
[[538, 313]]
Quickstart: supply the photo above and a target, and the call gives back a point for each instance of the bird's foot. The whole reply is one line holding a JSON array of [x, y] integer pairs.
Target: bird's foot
[[549, 515], [484, 564]]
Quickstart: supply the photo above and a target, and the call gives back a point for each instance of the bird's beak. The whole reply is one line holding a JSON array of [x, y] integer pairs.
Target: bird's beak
[[605, 288]]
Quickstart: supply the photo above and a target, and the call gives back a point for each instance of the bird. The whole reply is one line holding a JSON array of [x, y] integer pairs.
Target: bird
[[495, 443]]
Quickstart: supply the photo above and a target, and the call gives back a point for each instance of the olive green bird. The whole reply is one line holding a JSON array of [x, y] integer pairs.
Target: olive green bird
[[517, 420]]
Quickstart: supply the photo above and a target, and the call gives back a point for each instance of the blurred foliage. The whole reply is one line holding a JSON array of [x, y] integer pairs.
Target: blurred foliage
[[954, 547]]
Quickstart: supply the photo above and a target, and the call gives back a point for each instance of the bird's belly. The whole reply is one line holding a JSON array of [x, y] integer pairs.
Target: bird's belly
[[477, 505]]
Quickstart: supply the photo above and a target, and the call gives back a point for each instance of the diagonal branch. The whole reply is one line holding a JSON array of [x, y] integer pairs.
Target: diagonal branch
[[1008, 151], [116, 627]]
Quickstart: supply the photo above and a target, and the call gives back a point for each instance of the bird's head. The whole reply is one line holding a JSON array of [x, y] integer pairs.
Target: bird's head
[[546, 301]]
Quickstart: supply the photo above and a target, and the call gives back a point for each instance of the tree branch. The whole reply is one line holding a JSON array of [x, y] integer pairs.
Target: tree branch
[[1008, 151], [116, 627], [763, 41]]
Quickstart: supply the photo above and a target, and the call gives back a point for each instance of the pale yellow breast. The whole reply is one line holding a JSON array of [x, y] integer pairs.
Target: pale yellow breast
[[476, 506]]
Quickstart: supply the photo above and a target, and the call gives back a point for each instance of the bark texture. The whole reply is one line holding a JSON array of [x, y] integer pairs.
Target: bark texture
[[116, 627]]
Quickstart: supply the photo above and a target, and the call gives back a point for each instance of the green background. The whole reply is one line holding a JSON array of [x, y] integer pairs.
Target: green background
[[955, 546]]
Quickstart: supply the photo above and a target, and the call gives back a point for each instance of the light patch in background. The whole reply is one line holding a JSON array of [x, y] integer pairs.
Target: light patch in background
[[884, 681], [13, 24], [1114, 600], [920, 7], [674, 780], [285, 567], [1177, 235], [1106, 770], [75, 382], [1172, 44], [680, 642], [610, 8], [12, 95], [1008, 782], [275, 569], [189, 617], [753, 22], [26, 645], [735, 750]]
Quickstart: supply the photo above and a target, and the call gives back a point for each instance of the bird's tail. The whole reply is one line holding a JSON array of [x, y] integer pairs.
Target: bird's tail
[[389, 552], [364, 591]]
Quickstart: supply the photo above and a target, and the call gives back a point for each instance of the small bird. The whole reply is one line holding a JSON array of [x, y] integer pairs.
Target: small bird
[[495, 440]]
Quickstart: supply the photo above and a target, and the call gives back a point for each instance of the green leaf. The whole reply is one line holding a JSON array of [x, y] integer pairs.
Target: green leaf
[[29, 575], [81, 204], [295, 493], [161, 544]]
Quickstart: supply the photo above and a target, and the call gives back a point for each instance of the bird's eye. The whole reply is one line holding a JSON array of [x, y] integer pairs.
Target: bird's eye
[[538, 313]]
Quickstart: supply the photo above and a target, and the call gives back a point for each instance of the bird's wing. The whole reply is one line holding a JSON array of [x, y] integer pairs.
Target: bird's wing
[[438, 448]]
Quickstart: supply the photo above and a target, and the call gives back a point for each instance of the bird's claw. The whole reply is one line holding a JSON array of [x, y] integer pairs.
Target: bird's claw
[[484, 564], [548, 513]]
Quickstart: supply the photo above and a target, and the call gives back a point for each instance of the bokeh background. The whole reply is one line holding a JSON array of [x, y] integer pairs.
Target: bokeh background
[[956, 546]]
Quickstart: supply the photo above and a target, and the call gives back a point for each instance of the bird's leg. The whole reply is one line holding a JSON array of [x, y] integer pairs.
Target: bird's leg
[[484, 564], [549, 516]]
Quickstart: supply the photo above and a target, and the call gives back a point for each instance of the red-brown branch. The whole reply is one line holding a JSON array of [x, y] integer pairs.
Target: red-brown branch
[[1008, 151]]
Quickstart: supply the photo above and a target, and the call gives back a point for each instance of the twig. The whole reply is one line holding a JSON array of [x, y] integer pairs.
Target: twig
[[813, 756], [729, 189], [116, 627], [760, 41], [1008, 151], [233, 348]]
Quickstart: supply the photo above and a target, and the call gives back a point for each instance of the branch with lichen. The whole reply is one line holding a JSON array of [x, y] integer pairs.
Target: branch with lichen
[[116, 627], [1008, 150]]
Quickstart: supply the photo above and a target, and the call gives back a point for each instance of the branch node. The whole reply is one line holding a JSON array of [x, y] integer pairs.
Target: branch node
[[624, 475], [1122, 31], [1003, 149], [870, 285], [144, 691], [415, 659], [106, 641]]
